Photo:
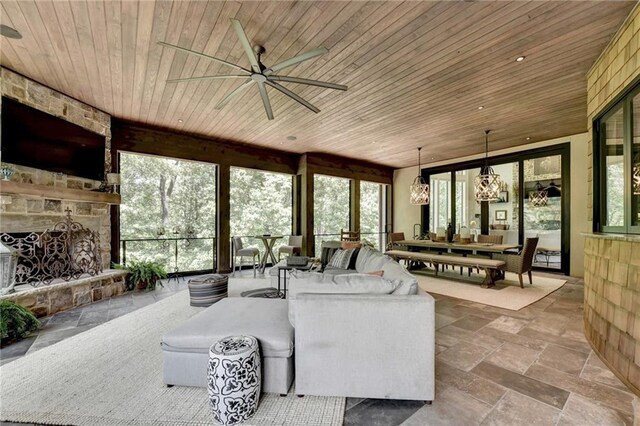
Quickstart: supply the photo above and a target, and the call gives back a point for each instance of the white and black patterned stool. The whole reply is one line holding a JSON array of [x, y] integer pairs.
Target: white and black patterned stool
[[234, 379], [208, 289]]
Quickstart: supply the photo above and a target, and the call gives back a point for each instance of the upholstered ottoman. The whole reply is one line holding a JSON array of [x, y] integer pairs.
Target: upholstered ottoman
[[234, 379], [185, 349], [207, 289]]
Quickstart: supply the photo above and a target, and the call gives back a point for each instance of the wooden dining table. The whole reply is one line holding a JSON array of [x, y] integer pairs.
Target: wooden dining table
[[474, 248]]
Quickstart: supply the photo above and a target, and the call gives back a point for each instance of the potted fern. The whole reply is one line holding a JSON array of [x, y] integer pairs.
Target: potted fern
[[144, 275]]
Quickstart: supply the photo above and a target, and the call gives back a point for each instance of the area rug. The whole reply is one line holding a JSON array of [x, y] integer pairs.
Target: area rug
[[506, 294], [112, 375]]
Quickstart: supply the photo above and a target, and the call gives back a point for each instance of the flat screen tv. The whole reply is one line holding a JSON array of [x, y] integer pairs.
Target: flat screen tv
[[33, 138]]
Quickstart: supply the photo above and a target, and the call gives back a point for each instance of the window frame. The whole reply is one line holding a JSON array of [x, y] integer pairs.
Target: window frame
[[624, 102]]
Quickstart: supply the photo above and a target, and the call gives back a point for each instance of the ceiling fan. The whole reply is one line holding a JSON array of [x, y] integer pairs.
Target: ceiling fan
[[259, 73]]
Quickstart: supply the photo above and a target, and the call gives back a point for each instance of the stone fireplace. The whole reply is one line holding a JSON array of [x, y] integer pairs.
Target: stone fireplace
[[34, 200]]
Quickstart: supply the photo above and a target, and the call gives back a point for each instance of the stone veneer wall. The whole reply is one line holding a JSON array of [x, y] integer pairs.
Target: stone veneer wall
[[615, 69], [26, 213], [47, 300], [612, 303]]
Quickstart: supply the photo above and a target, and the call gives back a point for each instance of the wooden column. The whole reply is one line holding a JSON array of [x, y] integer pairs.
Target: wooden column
[[223, 218], [354, 204], [305, 177]]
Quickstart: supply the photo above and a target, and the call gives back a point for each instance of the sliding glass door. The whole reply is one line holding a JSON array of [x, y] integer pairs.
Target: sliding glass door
[[530, 202]]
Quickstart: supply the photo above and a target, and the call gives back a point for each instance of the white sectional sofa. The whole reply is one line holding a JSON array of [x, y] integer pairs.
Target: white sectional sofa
[[355, 335]]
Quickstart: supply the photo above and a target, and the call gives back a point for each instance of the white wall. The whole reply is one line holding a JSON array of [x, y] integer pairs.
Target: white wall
[[405, 215]]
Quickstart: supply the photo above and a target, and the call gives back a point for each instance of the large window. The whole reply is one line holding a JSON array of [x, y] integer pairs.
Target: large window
[[372, 213], [331, 200], [617, 173], [260, 204], [168, 212]]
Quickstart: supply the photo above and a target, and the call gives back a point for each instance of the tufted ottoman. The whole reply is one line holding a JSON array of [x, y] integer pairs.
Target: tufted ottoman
[[234, 379], [208, 289]]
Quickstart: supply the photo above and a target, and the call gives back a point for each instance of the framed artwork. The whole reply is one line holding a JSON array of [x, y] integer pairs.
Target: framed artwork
[[503, 197], [501, 215]]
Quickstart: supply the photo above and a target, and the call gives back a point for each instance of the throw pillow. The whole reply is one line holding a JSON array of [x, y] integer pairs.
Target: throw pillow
[[341, 259], [327, 254], [354, 258], [376, 273], [346, 245]]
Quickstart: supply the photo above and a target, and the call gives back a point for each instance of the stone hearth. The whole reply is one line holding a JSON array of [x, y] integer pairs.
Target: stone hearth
[[47, 300]]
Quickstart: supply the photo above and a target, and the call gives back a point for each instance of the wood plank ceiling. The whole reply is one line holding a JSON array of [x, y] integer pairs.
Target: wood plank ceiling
[[417, 71]]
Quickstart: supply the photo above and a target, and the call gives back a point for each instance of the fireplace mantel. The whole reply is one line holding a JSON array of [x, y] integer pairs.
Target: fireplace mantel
[[50, 192]]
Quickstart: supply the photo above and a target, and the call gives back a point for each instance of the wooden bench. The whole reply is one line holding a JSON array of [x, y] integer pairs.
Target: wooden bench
[[489, 266]]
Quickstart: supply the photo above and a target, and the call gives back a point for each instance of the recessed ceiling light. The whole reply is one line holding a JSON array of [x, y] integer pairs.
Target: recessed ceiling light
[[481, 107], [433, 158], [528, 138], [9, 32], [520, 58], [291, 138], [179, 120]]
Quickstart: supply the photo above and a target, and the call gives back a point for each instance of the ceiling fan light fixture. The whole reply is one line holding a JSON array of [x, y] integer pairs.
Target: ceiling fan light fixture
[[419, 193], [487, 184]]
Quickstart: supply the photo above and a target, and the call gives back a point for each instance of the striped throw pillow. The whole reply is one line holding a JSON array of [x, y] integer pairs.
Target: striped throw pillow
[[341, 258]]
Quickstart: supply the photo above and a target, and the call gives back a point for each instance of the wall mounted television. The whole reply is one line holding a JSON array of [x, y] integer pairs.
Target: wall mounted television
[[36, 139]]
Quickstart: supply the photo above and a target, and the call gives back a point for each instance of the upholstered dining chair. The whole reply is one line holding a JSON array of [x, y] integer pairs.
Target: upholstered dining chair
[[522, 262], [293, 247], [242, 252]]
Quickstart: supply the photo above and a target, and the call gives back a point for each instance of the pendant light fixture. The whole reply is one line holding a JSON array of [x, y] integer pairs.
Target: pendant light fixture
[[487, 183], [419, 190], [539, 197]]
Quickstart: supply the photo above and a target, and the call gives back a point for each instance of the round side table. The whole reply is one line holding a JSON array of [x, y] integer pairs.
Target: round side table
[[234, 379]]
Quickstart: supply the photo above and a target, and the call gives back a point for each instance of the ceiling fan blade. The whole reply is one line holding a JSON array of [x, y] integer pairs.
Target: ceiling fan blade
[[210, 77], [307, 81], [265, 100], [296, 60], [292, 95], [162, 43], [246, 45], [231, 95]]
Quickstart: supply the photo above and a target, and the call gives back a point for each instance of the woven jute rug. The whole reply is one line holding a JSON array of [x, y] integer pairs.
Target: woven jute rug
[[112, 375], [506, 294]]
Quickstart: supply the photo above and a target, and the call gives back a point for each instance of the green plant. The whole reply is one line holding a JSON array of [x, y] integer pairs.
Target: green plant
[[143, 274], [16, 321]]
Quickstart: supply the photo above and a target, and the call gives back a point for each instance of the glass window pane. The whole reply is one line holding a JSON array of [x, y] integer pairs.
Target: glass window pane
[[168, 212], [543, 208], [440, 205], [635, 156], [371, 226], [503, 213], [260, 204], [613, 132], [331, 208], [467, 209]]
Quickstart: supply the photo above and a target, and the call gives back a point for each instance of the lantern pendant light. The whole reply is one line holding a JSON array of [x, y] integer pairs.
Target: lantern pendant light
[[487, 184], [419, 190], [539, 197]]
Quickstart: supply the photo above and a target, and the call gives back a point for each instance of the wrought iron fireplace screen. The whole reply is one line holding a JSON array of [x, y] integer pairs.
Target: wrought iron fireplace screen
[[66, 251]]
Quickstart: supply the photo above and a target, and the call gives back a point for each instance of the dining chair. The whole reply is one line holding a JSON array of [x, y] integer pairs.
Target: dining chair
[[293, 247], [346, 235], [242, 252], [522, 262]]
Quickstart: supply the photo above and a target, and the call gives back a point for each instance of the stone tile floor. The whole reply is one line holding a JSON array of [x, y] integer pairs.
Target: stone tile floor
[[493, 366]]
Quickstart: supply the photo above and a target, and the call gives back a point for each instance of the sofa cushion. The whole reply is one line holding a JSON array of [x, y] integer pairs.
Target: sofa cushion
[[328, 249], [407, 283], [266, 319], [341, 284]]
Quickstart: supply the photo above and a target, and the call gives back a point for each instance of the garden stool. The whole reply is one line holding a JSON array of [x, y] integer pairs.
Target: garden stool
[[234, 379], [207, 289]]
